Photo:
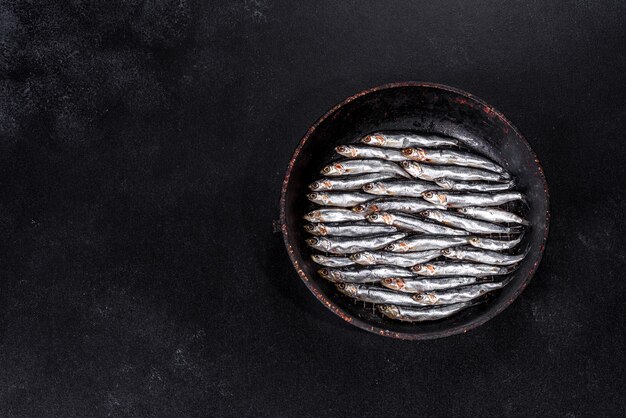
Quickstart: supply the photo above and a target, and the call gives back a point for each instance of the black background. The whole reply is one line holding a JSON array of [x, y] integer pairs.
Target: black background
[[143, 145]]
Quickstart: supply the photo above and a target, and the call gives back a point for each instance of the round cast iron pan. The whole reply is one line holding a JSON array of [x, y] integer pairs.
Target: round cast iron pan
[[420, 107]]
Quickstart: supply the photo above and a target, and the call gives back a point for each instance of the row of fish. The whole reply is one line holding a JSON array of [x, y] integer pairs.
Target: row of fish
[[414, 224]]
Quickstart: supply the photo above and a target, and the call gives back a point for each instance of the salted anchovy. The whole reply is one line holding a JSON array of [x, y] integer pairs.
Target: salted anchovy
[[406, 188], [348, 182], [444, 268], [363, 167], [363, 274], [359, 151], [333, 215], [471, 199], [473, 186], [341, 199], [396, 204], [457, 295], [332, 261], [432, 172], [348, 230], [411, 223], [375, 294], [494, 244], [492, 215], [434, 313], [482, 256], [471, 225], [348, 245], [369, 258], [426, 284], [406, 139], [426, 242], [451, 157]]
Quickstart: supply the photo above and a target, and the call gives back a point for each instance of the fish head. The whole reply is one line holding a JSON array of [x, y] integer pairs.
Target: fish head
[[363, 258], [416, 154], [444, 183], [313, 216], [394, 283], [464, 211], [349, 289], [374, 188], [318, 243], [317, 197], [374, 139], [362, 208], [381, 218], [317, 258], [389, 311], [347, 151], [320, 185], [435, 197], [310, 228], [425, 298], [395, 246], [411, 167], [330, 274], [333, 169], [449, 252], [424, 269]]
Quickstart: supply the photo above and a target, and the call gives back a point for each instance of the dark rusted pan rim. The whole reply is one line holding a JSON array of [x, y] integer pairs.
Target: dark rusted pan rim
[[421, 107]]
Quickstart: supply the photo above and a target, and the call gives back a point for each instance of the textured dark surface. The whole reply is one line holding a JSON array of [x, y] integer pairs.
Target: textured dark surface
[[143, 146]]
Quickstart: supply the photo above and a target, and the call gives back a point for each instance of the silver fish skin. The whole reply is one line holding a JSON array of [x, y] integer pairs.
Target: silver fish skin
[[363, 274], [399, 188], [427, 242], [432, 172], [348, 229], [348, 182], [473, 186], [334, 215], [413, 224], [327, 261], [375, 294], [360, 151], [396, 204], [492, 215], [340, 199], [350, 167], [408, 314], [482, 256], [407, 139], [444, 268], [370, 258], [452, 157], [349, 245], [494, 244], [457, 200], [457, 295], [470, 225], [425, 284]]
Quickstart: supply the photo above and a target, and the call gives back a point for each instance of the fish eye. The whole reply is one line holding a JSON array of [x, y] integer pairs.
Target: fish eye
[[418, 296], [417, 267], [312, 195], [342, 148], [407, 151], [405, 164], [341, 286], [323, 272], [374, 217], [311, 241], [326, 169], [368, 186], [425, 213], [428, 194], [446, 251], [315, 185]]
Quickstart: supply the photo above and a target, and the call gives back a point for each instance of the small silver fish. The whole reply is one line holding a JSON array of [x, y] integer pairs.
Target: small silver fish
[[363, 274], [482, 256], [396, 204], [494, 244], [348, 245], [408, 285], [473, 186], [341, 199], [432, 172], [348, 182], [348, 230], [444, 268], [332, 261], [359, 151], [375, 294], [426, 242], [452, 157], [413, 224], [369, 258], [408, 314], [333, 215], [492, 215], [399, 188], [471, 199], [350, 167], [457, 295], [470, 225], [407, 139]]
